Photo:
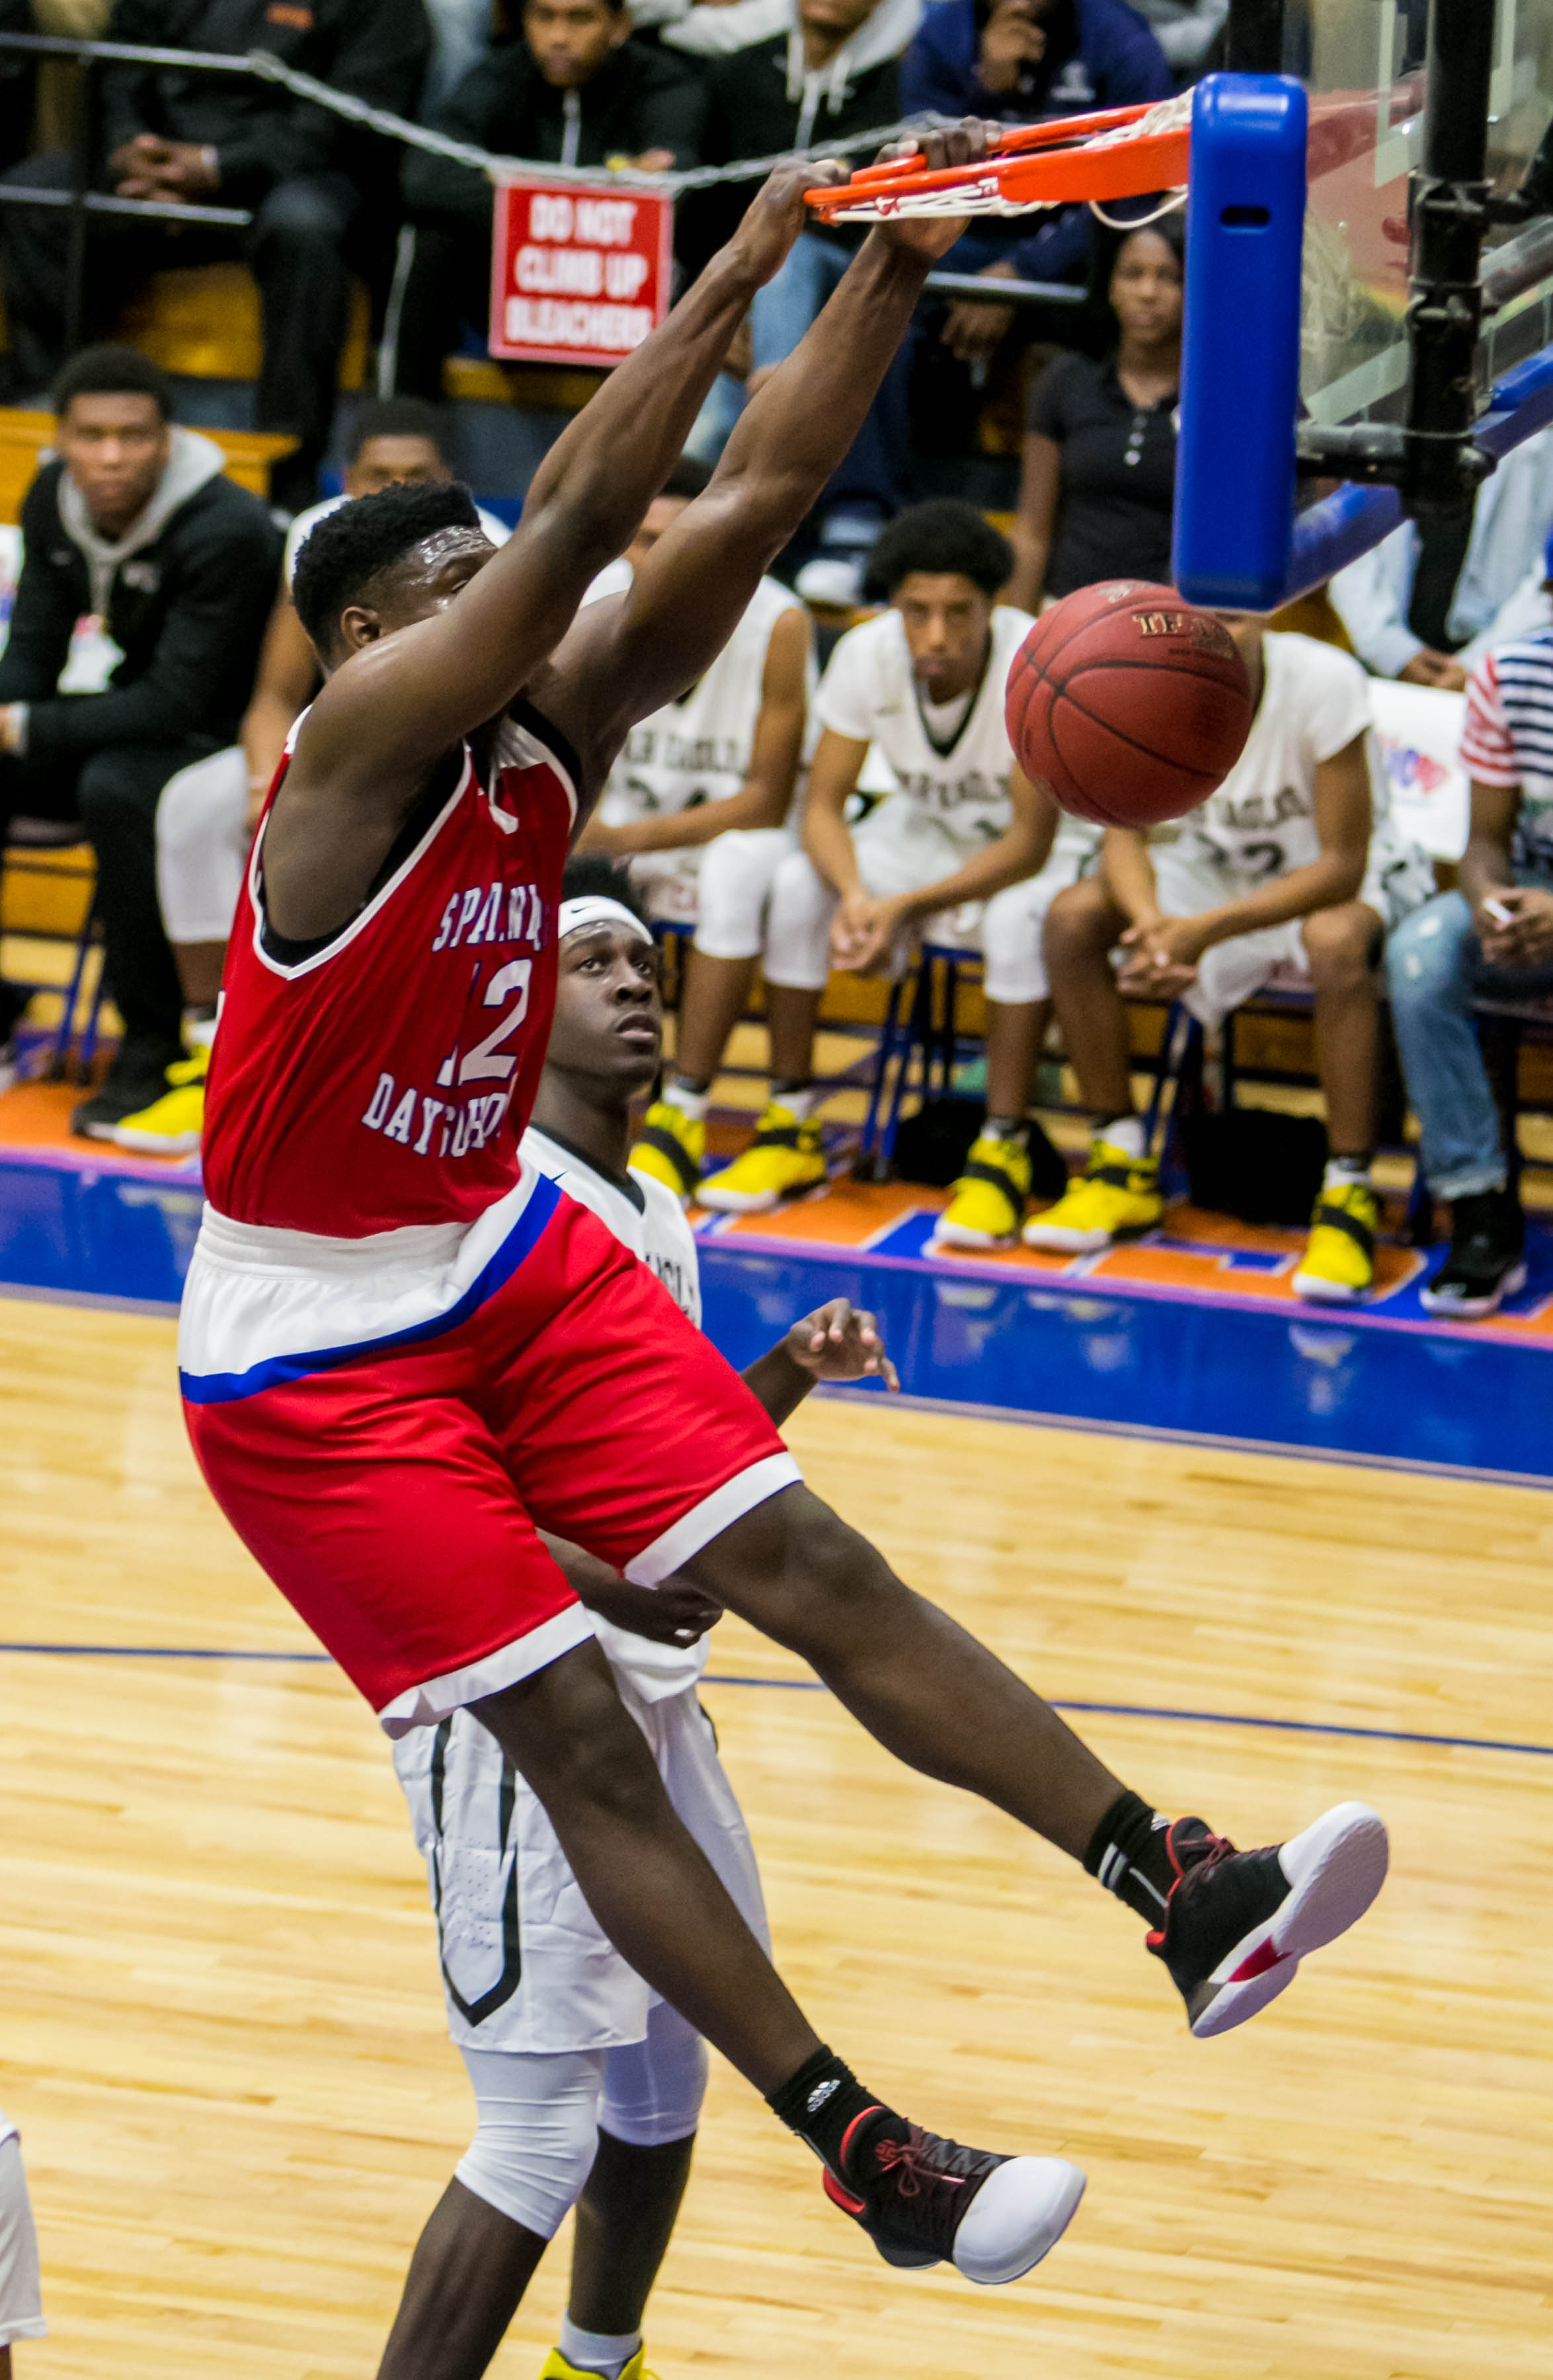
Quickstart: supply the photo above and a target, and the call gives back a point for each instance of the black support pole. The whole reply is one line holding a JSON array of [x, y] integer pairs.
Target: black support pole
[[81, 182], [1254, 43], [1450, 217]]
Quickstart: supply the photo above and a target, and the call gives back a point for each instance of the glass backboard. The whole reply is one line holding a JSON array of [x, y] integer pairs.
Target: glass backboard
[[1363, 64]]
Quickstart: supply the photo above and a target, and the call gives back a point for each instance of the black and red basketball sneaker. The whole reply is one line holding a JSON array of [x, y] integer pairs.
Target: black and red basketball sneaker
[[1237, 1924], [921, 2199]]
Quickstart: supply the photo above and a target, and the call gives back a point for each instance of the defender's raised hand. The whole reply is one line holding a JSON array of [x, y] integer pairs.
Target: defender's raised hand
[[839, 1342]]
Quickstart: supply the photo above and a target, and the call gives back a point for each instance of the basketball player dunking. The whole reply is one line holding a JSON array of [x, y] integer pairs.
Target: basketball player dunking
[[405, 1353]]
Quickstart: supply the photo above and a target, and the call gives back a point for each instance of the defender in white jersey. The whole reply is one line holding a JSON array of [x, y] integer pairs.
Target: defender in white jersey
[[581, 2076], [1293, 862], [966, 851]]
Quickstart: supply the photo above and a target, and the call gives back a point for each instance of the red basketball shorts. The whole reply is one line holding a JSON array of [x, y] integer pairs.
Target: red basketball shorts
[[392, 1480]]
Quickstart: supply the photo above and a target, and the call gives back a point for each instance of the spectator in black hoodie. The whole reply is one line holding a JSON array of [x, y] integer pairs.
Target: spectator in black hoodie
[[574, 90], [232, 140], [134, 523]]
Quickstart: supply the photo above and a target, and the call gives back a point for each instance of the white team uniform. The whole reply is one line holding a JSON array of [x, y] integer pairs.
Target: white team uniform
[[21, 2305], [201, 820], [1261, 822], [525, 1966], [696, 752], [951, 764]]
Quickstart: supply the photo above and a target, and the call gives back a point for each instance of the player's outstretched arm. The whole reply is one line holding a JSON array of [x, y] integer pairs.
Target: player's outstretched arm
[[398, 704], [622, 660]]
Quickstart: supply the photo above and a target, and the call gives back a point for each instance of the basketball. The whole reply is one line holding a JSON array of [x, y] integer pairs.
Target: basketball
[[1128, 703]]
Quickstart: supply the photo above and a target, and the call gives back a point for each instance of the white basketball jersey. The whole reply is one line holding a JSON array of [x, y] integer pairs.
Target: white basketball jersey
[[697, 749], [959, 780], [1261, 821], [647, 1217], [524, 1964]]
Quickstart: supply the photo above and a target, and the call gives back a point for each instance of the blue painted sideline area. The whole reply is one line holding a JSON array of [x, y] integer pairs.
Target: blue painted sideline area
[[814, 1686], [1027, 1347]]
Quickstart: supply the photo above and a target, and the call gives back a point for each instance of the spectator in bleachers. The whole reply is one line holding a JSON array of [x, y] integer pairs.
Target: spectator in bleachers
[[1096, 487], [1186, 30], [1025, 62], [1493, 937], [1426, 603], [959, 852], [833, 73], [714, 28], [724, 758], [208, 812], [229, 140], [1292, 863], [133, 522], [575, 90]]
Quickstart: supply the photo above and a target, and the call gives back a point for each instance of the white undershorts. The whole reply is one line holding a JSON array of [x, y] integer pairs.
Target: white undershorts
[[525, 1966]]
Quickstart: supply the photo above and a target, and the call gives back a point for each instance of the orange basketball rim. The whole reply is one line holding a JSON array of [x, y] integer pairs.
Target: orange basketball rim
[[1119, 152]]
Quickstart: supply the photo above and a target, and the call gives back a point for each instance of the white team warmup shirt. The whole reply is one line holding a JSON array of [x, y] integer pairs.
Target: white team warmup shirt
[[694, 751], [951, 764], [525, 1966], [1260, 823]]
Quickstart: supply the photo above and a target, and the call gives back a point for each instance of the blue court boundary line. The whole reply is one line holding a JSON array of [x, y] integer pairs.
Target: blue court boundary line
[[815, 1686]]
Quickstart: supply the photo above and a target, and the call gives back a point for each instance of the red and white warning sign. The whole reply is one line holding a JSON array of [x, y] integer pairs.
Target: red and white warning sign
[[579, 276]]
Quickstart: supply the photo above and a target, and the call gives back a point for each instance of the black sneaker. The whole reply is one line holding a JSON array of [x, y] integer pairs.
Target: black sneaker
[[921, 2199], [1237, 1924], [1488, 1261], [137, 1075]]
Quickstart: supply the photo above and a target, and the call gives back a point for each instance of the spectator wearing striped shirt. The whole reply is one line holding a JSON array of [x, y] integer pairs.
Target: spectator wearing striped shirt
[[1492, 936]]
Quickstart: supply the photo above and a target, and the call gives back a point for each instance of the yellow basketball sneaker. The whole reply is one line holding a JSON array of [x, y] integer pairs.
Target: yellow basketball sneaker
[[784, 1157], [987, 1205], [1115, 1197], [671, 1147], [172, 1125], [559, 2369], [1338, 1265]]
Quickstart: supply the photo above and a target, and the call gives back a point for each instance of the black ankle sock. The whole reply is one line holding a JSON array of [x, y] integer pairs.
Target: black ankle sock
[[1129, 1853], [823, 2100]]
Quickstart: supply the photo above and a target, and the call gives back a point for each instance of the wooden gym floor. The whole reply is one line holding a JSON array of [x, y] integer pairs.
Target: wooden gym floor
[[221, 2035]]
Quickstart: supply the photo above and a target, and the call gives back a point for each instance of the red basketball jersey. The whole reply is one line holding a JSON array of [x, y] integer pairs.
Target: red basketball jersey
[[385, 1079]]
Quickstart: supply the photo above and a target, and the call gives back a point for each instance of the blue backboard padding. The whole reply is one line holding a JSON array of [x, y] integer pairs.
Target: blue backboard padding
[[1353, 519], [1235, 503]]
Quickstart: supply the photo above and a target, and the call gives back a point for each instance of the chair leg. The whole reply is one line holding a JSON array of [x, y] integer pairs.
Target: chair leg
[[918, 1030], [1164, 1068], [867, 1147], [57, 1066]]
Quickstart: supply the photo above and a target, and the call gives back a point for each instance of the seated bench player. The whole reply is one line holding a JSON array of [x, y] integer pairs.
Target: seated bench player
[[583, 2081], [404, 1351], [1293, 861], [1490, 938], [723, 758], [967, 852]]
